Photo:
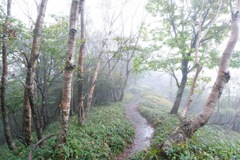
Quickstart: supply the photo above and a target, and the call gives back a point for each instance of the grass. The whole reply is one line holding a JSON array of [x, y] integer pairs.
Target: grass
[[209, 142], [106, 134]]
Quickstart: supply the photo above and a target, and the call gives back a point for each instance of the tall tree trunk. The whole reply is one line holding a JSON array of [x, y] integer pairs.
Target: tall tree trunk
[[45, 109], [189, 100], [92, 87], [81, 112], [198, 70], [5, 118], [187, 128], [125, 81], [95, 75], [181, 87], [123, 87], [88, 86], [67, 75], [29, 106]]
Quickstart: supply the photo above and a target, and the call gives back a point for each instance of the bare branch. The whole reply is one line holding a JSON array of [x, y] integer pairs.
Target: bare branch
[[38, 143]]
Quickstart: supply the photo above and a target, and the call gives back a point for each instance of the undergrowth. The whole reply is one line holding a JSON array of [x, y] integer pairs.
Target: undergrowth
[[209, 142], [105, 135]]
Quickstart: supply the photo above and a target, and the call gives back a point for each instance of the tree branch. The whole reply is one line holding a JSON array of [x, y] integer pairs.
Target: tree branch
[[175, 77], [39, 142]]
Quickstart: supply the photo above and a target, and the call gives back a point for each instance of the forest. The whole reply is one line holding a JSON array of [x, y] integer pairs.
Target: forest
[[120, 79]]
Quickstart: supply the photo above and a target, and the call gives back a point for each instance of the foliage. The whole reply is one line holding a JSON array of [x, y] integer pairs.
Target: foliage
[[209, 142], [55, 40], [105, 135], [172, 38]]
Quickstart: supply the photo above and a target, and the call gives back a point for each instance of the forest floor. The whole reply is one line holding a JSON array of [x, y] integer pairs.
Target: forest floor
[[143, 130], [108, 132]]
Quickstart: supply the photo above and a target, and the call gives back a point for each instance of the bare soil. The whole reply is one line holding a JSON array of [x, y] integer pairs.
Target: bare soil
[[143, 130]]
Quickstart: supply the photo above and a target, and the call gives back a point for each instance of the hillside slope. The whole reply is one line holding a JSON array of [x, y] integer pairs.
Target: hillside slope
[[106, 134], [209, 142]]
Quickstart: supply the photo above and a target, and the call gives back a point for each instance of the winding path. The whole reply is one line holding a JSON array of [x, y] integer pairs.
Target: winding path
[[143, 131]]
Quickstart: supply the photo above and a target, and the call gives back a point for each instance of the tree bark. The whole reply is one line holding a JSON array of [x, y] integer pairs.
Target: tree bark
[[5, 118], [67, 75], [29, 90], [81, 112], [187, 128], [181, 87]]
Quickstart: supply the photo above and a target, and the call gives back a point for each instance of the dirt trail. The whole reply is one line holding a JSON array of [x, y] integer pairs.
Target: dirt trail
[[143, 131]]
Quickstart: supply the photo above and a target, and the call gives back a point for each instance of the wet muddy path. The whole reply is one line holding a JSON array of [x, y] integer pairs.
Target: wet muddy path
[[143, 130]]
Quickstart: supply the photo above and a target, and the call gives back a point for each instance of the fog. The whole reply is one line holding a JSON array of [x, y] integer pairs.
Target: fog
[[163, 84]]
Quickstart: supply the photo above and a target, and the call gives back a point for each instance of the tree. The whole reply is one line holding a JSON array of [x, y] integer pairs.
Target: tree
[[95, 76], [188, 127], [128, 47], [110, 20], [5, 38], [81, 110], [29, 107], [199, 37], [179, 34], [68, 72], [49, 68]]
